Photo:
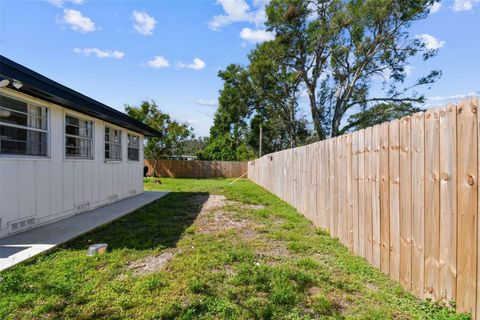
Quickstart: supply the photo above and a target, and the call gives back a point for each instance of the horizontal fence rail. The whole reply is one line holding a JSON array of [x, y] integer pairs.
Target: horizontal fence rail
[[197, 168], [403, 195]]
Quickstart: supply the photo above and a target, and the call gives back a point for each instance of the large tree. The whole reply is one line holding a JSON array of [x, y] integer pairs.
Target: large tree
[[262, 94], [339, 48], [277, 89], [174, 135], [230, 124]]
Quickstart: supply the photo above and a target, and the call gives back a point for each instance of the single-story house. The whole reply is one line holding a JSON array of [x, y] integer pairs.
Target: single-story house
[[61, 152]]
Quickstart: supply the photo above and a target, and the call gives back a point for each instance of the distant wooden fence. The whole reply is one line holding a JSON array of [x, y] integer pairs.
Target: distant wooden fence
[[402, 194], [197, 169]]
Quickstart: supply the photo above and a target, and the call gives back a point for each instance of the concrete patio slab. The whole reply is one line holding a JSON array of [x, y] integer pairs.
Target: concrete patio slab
[[22, 246]]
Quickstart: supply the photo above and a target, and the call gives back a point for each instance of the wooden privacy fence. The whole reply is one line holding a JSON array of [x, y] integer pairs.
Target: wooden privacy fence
[[403, 194], [197, 169]]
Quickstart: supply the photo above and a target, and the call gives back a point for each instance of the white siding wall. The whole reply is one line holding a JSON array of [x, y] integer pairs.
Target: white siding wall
[[48, 189]]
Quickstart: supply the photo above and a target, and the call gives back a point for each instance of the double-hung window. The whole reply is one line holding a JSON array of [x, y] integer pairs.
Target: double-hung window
[[133, 147], [23, 128], [78, 138], [113, 144]]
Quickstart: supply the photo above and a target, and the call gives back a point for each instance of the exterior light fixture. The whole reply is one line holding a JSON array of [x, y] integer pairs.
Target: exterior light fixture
[[4, 83], [17, 84]]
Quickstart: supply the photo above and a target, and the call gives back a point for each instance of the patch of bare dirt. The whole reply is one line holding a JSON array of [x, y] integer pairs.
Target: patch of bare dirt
[[253, 206], [151, 263], [273, 250], [214, 219]]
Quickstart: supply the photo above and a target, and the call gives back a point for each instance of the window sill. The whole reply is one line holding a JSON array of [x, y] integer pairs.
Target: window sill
[[24, 158], [78, 159], [113, 161]]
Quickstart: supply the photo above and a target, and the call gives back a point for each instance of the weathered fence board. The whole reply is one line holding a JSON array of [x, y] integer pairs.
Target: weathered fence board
[[402, 194], [196, 168]]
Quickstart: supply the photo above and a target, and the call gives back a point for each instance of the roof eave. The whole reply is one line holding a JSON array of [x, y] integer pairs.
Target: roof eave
[[41, 87]]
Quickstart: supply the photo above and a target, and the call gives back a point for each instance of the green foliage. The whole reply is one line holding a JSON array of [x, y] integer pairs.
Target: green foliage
[[379, 113], [339, 48], [193, 146], [174, 135], [225, 148], [263, 94]]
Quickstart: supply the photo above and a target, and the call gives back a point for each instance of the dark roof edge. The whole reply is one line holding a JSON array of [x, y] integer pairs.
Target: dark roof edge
[[39, 86]]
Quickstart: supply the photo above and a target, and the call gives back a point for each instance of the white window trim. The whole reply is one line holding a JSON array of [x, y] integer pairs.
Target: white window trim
[[48, 131], [80, 117], [112, 127], [138, 148]]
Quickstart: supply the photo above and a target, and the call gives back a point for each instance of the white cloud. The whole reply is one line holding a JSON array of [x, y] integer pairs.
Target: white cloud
[[464, 5], [100, 53], [238, 11], [435, 7], [144, 24], [207, 103], [256, 36], [77, 21], [442, 100], [431, 43], [409, 69], [61, 3], [197, 64], [158, 62]]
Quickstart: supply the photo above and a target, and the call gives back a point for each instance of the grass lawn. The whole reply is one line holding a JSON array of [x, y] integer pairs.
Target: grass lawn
[[208, 250]]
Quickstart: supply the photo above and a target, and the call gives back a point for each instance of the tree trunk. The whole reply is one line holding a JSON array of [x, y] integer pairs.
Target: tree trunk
[[316, 116], [337, 118]]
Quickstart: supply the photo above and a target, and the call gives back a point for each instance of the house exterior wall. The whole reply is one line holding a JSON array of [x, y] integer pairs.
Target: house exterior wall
[[37, 190]]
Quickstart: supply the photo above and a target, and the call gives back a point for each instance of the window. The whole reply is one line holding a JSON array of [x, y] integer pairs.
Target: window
[[113, 144], [78, 138], [133, 147], [23, 128]]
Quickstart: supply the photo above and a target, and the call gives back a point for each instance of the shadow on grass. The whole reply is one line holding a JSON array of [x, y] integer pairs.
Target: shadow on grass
[[159, 224]]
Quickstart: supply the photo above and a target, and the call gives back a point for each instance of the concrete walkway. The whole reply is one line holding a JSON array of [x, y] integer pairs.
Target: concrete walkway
[[21, 246]]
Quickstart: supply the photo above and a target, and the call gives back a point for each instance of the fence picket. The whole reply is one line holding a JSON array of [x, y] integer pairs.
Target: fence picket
[[384, 200], [432, 204], [448, 202], [368, 195], [361, 194], [349, 190], [467, 206], [394, 188], [355, 192], [375, 155], [405, 204], [418, 177]]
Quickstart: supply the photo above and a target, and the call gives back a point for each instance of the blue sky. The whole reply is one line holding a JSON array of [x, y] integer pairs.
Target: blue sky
[[121, 52]]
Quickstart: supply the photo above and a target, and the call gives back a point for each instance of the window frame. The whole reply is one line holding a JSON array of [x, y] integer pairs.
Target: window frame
[[138, 147], [83, 118], [112, 127], [37, 103]]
